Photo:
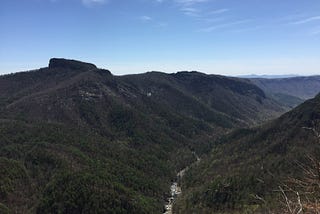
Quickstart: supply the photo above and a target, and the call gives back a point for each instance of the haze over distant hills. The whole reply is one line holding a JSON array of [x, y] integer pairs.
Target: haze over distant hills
[[289, 91], [77, 139], [265, 76], [302, 87]]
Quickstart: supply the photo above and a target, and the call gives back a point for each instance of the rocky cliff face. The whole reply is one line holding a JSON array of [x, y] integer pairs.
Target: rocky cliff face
[[70, 64]]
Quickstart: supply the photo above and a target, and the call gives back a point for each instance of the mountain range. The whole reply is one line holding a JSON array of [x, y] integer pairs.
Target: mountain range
[[77, 139]]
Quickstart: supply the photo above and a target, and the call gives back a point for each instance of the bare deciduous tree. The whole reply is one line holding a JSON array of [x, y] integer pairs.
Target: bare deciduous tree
[[301, 195]]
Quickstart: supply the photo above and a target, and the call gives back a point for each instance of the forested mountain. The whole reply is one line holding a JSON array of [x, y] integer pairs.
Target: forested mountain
[[246, 168], [290, 91], [54, 93], [77, 139]]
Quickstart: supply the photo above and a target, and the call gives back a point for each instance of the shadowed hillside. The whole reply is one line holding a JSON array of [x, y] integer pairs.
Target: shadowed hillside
[[245, 168]]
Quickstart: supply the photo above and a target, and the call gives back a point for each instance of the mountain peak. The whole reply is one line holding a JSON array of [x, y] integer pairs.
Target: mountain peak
[[70, 64]]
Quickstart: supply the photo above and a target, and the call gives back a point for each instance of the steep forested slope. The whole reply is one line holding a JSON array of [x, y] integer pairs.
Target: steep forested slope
[[246, 167]]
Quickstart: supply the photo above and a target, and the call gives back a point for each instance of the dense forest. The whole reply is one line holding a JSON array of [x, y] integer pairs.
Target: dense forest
[[76, 139], [251, 170]]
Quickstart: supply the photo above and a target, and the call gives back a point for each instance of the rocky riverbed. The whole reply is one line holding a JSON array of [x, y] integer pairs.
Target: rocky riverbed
[[175, 189]]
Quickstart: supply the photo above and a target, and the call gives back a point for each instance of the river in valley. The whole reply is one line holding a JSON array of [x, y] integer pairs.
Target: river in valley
[[175, 189]]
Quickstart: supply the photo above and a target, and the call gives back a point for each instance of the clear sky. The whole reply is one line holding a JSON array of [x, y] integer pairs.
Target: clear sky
[[230, 37]]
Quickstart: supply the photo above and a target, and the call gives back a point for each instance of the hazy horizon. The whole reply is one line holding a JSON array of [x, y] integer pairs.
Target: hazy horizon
[[248, 75], [136, 36]]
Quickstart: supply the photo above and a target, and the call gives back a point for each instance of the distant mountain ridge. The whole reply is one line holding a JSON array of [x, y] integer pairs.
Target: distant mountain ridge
[[291, 91], [266, 76], [301, 87], [210, 90]]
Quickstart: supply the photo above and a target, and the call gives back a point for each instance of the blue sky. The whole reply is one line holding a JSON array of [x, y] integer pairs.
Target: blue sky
[[230, 37]]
